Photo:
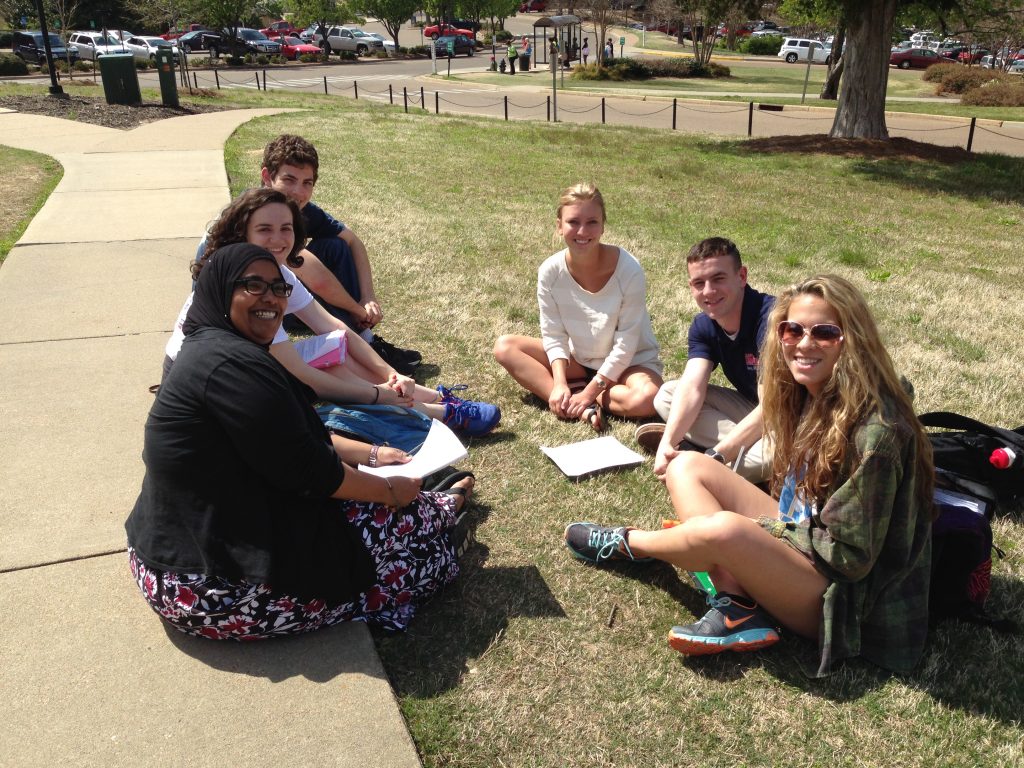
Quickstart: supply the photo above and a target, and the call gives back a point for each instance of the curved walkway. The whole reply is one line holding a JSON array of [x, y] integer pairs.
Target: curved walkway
[[91, 677]]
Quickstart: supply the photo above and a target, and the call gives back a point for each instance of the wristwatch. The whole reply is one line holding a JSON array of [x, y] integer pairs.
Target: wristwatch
[[715, 455], [601, 383]]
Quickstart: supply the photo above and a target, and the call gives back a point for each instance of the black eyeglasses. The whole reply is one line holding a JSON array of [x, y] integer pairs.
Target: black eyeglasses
[[257, 286], [826, 334]]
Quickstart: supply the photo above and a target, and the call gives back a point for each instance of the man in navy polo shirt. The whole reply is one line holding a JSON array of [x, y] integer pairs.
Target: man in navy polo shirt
[[729, 331]]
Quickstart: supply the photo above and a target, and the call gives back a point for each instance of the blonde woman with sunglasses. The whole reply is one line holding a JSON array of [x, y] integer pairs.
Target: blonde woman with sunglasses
[[840, 552]]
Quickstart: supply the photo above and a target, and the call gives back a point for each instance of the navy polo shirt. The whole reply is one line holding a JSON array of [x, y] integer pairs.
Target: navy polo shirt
[[319, 223], [739, 357]]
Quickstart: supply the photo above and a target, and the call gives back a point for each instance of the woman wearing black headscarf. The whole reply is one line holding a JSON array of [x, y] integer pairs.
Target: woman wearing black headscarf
[[248, 523]]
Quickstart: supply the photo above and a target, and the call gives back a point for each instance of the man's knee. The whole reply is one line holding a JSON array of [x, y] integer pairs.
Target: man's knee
[[663, 399]]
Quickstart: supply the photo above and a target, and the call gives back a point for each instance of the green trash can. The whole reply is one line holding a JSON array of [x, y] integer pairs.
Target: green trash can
[[165, 69], [120, 80]]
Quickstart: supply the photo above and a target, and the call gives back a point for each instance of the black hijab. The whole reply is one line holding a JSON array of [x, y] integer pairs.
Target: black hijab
[[211, 301]]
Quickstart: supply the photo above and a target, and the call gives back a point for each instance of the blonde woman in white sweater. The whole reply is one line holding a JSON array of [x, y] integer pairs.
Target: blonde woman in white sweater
[[597, 350]]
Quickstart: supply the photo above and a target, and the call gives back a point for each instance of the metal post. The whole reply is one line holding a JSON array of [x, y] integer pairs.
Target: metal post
[[264, 79], [405, 99], [750, 120], [355, 89], [195, 80], [602, 110], [970, 136], [673, 114], [807, 75], [423, 102], [257, 81], [216, 77], [325, 85], [506, 109], [391, 92], [437, 103], [549, 109]]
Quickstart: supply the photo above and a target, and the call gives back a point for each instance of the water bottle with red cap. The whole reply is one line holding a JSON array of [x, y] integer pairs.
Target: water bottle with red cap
[[1002, 458]]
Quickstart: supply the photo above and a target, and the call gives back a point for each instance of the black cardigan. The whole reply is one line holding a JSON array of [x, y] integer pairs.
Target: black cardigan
[[239, 472]]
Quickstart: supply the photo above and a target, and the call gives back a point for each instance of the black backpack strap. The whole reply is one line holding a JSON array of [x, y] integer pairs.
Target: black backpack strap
[[949, 420]]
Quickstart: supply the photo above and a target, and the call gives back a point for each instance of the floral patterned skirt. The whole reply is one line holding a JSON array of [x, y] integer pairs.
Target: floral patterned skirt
[[414, 555]]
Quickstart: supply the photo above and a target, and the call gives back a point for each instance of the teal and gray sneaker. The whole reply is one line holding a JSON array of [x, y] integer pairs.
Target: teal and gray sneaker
[[597, 543], [734, 623]]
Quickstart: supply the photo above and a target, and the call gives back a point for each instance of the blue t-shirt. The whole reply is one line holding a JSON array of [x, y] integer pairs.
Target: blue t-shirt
[[738, 357], [793, 508], [319, 223]]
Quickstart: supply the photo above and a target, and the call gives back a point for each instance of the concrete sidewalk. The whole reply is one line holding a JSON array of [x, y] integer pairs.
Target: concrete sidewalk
[[91, 676]]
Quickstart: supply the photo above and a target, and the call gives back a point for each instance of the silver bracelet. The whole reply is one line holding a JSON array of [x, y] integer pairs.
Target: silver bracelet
[[372, 461]]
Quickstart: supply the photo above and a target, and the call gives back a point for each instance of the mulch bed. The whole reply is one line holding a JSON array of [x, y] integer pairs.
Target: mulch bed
[[897, 148], [96, 110]]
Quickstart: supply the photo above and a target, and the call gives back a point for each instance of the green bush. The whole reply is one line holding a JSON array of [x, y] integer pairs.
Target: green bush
[[309, 58], [958, 79], [142, 64], [767, 45], [501, 36], [277, 58], [6, 39], [996, 93], [634, 69], [380, 54], [347, 55], [418, 50], [262, 60], [12, 65], [234, 61]]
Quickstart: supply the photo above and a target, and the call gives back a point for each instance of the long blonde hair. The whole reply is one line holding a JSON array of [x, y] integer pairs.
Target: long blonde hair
[[819, 430]]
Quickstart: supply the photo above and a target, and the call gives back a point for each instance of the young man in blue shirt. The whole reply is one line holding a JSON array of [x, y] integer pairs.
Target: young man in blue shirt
[[336, 268], [729, 331]]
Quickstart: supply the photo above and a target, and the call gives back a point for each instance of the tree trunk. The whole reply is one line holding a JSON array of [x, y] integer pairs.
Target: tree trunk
[[861, 110], [830, 90]]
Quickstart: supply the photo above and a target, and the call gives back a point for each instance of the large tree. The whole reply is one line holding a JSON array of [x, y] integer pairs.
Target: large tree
[[391, 13], [323, 13]]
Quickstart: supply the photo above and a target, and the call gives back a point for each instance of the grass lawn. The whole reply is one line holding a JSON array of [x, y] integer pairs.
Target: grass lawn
[[36, 177], [517, 663]]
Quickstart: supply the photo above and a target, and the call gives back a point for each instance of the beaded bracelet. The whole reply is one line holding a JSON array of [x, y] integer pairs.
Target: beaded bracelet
[[372, 461]]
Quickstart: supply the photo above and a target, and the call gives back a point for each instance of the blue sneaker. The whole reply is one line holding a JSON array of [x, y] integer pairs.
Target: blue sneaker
[[470, 417], [597, 543], [733, 624]]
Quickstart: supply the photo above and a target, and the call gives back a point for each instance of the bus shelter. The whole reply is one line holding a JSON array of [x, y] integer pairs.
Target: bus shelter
[[567, 31]]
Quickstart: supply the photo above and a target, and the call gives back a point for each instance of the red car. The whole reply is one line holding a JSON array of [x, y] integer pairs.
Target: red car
[[914, 57], [435, 31], [279, 28], [972, 56], [174, 34], [292, 47], [533, 6]]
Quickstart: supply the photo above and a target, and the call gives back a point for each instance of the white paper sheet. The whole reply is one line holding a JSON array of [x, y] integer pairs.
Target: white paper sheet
[[578, 459], [440, 449]]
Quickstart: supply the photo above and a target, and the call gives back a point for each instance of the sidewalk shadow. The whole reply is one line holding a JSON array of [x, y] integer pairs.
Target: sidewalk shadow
[[462, 623], [317, 656]]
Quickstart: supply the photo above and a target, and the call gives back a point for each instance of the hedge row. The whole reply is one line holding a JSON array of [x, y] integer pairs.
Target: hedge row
[[635, 69]]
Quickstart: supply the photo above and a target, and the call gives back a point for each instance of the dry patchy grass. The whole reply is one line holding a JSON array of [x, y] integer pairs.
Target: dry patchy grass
[[516, 664], [36, 176]]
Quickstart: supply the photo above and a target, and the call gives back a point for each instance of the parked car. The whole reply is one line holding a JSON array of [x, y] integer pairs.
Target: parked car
[[145, 48], [533, 6], [766, 33], [279, 28], [93, 45], [434, 31], [197, 40], [174, 34], [918, 58], [952, 54], [29, 46], [350, 39], [121, 34], [292, 47], [972, 55], [796, 49], [1017, 68], [388, 43], [245, 41], [307, 34], [460, 45]]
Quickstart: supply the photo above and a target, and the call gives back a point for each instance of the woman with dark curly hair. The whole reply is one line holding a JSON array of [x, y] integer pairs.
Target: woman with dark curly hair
[[252, 521], [840, 553]]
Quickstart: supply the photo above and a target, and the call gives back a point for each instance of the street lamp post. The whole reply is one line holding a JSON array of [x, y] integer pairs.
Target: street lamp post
[[55, 89]]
